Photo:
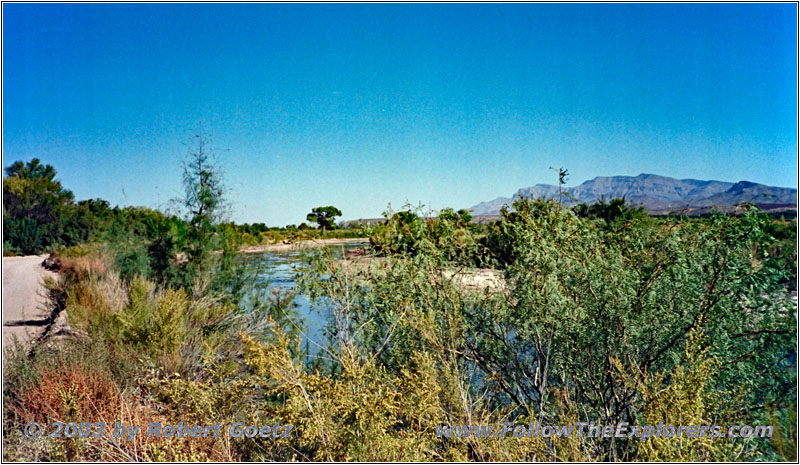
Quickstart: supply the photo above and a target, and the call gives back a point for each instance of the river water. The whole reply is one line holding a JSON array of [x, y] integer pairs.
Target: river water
[[279, 271]]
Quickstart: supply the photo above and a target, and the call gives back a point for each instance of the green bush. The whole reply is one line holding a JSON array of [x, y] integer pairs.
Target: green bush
[[580, 297]]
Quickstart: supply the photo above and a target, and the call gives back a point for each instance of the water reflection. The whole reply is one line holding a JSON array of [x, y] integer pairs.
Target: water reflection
[[279, 270]]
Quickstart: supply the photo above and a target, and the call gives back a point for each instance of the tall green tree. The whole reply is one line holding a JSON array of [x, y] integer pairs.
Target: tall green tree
[[35, 207], [204, 206], [33, 169], [324, 216]]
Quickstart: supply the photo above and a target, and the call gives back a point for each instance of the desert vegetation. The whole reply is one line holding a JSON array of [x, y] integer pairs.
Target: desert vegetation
[[604, 314]]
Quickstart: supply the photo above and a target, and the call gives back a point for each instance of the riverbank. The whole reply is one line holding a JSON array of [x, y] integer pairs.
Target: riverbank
[[473, 279], [287, 246]]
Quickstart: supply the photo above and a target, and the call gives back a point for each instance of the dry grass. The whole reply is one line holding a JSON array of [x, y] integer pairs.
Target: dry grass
[[76, 393], [83, 266], [69, 392]]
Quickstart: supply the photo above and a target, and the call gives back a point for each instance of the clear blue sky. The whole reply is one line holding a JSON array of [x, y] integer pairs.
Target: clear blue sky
[[361, 105]]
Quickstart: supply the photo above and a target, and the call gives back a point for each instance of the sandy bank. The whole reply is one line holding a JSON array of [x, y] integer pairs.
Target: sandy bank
[[473, 279], [301, 245]]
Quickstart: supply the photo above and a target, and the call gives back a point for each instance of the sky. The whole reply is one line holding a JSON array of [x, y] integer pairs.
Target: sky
[[361, 106]]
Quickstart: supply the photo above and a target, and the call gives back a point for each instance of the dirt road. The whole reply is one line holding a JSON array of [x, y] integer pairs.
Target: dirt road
[[23, 302]]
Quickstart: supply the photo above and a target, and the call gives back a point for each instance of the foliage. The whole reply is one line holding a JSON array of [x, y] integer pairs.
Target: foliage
[[324, 216], [35, 208], [562, 179], [600, 313], [577, 295], [204, 205], [449, 235], [614, 211], [684, 396], [463, 216]]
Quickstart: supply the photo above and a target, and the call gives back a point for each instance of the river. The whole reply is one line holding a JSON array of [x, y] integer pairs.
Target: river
[[278, 270]]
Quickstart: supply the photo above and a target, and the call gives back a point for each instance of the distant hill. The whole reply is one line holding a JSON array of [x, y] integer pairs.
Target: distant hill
[[655, 193]]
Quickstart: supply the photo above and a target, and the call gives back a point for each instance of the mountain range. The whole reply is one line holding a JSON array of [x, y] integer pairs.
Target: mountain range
[[655, 193]]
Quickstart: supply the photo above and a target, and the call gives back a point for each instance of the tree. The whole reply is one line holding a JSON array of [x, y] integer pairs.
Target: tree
[[616, 209], [202, 182], [448, 214], [35, 207], [33, 169], [465, 215], [204, 204], [562, 179], [324, 216]]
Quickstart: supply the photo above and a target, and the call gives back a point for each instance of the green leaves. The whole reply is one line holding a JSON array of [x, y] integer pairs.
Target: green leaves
[[580, 295], [324, 216], [36, 207]]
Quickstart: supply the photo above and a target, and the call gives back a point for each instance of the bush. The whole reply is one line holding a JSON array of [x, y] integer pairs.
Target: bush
[[577, 293], [606, 319]]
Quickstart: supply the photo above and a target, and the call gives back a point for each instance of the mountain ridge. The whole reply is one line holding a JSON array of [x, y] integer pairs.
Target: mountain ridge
[[653, 192]]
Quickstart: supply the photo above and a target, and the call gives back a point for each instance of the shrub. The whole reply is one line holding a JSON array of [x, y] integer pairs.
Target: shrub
[[576, 292], [70, 392]]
